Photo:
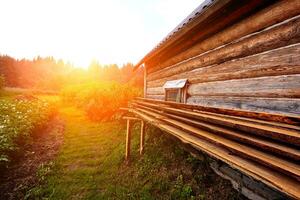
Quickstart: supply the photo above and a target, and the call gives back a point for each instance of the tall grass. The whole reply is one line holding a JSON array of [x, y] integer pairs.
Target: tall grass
[[100, 100]]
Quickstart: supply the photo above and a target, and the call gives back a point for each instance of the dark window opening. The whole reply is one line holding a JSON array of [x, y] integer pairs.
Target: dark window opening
[[173, 95]]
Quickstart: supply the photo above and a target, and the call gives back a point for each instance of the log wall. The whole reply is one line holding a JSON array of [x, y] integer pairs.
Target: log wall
[[257, 69]]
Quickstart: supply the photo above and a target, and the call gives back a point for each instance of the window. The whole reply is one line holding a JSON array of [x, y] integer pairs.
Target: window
[[173, 95], [175, 90]]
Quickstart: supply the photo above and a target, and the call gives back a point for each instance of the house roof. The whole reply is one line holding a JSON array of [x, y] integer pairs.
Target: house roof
[[207, 14], [188, 20]]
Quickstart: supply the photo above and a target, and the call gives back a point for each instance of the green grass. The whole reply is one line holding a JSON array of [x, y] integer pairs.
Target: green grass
[[90, 165]]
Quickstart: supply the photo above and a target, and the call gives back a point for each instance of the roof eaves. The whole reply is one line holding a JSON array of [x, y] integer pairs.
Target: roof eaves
[[188, 20]]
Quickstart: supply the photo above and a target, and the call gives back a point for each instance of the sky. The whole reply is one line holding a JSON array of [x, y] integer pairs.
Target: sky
[[79, 31]]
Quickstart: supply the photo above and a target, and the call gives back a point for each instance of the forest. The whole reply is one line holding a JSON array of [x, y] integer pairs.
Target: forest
[[51, 74]]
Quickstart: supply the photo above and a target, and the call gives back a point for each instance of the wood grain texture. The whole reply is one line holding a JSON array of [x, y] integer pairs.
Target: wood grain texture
[[282, 35], [263, 144], [291, 137], [156, 97], [237, 112], [281, 61], [275, 86], [269, 160], [270, 177], [278, 12], [155, 91], [284, 106]]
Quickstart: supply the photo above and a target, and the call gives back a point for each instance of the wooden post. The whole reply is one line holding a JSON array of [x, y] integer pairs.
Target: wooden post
[[142, 138], [128, 141], [145, 81]]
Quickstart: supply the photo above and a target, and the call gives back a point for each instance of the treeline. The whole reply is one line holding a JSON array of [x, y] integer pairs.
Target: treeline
[[51, 74]]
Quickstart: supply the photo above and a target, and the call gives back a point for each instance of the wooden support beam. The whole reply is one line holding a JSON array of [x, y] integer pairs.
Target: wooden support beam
[[128, 140], [142, 138]]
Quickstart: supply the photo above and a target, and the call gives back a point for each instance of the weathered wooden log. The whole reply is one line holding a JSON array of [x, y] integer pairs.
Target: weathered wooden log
[[275, 117], [157, 97], [247, 119], [290, 137], [234, 11], [278, 12], [282, 35], [275, 86], [266, 159], [282, 61], [261, 143], [268, 176], [284, 106], [155, 91]]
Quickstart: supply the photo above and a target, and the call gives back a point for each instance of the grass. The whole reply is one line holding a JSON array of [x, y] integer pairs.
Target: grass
[[91, 165]]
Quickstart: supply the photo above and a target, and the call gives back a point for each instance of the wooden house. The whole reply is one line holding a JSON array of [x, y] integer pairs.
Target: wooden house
[[226, 81]]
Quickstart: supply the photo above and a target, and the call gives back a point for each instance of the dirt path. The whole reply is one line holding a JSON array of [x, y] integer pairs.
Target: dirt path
[[21, 176]]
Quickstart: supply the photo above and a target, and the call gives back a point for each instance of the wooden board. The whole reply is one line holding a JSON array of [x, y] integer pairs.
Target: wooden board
[[277, 133], [251, 120], [261, 143], [286, 118], [272, 178], [270, 160]]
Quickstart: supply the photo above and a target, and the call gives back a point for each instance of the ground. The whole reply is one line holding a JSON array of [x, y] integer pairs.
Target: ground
[[21, 175], [90, 165]]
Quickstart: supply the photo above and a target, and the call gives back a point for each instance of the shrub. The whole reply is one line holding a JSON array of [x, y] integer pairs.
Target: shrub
[[1, 82], [101, 100]]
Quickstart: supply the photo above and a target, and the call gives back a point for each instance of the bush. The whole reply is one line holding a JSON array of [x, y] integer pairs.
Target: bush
[[1, 82], [101, 100], [19, 119]]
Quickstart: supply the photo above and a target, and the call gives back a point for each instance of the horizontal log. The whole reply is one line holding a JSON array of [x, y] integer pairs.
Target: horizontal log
[[266, 105], [226, 116], [155, 91], [270, 177], [156, 97], [275, 86], [282, 35], [263, 144], [238, 112], [273, 14], [266, 159], [282, 61], [290, 137]]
